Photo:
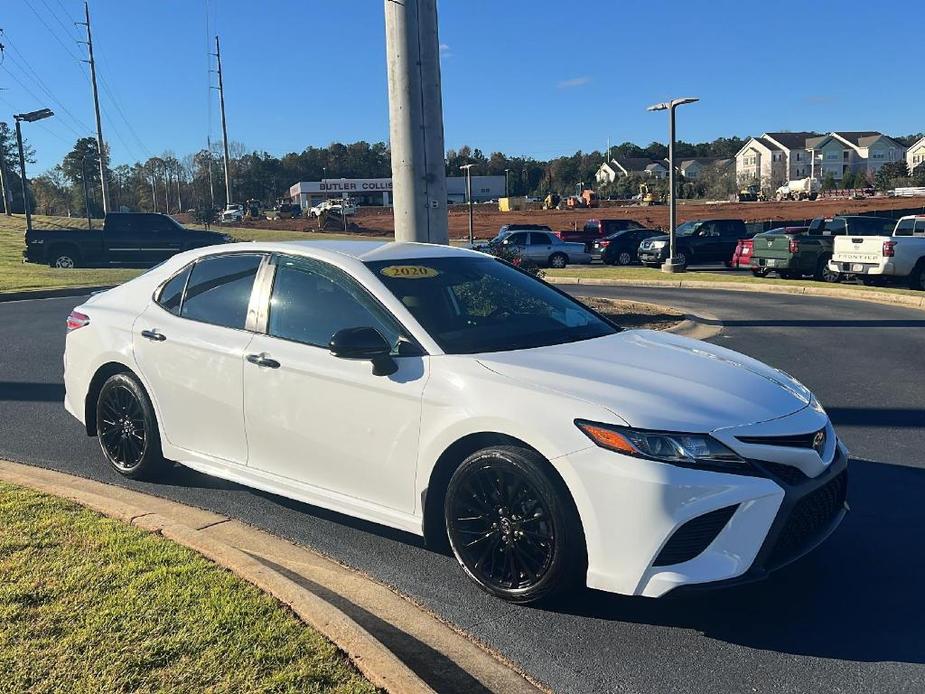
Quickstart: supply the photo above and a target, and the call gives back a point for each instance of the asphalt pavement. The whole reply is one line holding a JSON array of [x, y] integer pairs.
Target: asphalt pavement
[[848, 618]]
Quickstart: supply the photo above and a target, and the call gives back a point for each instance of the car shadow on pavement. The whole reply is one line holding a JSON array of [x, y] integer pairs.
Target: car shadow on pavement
[[859, 597]]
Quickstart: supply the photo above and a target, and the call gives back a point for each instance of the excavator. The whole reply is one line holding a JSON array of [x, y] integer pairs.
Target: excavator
[[648, 196]]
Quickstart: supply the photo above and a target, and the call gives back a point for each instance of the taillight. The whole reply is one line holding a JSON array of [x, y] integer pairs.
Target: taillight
[[794, 245], [77, 320], [603, 244], [889, 249]]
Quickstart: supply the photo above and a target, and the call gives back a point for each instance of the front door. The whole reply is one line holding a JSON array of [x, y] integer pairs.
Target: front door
[[324, 421], [190, 346]]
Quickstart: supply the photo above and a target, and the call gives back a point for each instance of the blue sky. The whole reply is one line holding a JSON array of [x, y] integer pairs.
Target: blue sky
[[533, 77]]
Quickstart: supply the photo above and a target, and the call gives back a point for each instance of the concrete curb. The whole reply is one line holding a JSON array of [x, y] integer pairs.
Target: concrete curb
[[905, 300], [700, 326], [30, 294], [326, 595]]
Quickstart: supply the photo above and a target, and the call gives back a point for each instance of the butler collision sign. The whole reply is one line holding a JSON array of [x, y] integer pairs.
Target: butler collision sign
[[378, 191]]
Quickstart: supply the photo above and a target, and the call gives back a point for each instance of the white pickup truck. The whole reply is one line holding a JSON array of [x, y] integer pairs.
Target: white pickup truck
[[901, 255]]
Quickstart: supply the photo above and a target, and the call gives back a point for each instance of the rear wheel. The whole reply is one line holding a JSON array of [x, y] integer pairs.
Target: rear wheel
[[127, 428], [624, 258], [558, 260], [63, 258], [759, 272], [512, 526], [917, 278], [824, 274]]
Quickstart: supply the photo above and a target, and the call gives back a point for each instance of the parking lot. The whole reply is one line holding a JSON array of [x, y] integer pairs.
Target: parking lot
[[838, 621]]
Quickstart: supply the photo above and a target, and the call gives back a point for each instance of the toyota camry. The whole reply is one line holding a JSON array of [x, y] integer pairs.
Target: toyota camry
[[446, 393]]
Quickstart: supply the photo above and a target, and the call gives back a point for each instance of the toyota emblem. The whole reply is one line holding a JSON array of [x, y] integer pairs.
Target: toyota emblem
[[770, 243]]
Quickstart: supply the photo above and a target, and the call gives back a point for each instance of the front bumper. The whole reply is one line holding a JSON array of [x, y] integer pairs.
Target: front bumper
[[635, 513], [652, 256]]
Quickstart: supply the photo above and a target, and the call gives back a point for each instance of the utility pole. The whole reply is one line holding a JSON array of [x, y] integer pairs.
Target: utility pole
[[416, 121], [100, 144], [221, 99], [6, 203], [83, 171], [211, 185]]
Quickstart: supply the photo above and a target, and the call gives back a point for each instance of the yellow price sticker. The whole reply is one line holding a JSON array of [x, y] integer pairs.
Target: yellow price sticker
[[409, 272]]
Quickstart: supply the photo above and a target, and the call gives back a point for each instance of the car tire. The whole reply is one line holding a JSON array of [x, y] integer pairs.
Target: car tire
[[513, 526], [126, 427], [558, 260], [758, 272], [681, 259], [624, 258], [917, 277], [63, 258], [824, 274]]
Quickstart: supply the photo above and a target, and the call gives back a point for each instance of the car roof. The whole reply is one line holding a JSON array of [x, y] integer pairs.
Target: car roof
[[363, 251]]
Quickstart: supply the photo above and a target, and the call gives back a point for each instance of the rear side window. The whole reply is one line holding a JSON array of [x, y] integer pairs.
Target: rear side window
[[219, 290], [538, 239], [905, 227], [172, 293]]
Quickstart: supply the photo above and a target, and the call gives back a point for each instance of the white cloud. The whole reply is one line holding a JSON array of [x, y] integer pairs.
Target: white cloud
[[445, 51], [574, 82]]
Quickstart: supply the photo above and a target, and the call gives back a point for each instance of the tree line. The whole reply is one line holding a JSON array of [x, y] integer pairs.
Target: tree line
[[195, 181]]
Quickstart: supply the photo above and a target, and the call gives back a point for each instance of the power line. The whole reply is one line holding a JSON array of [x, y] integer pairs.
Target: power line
[[36, 96], [54, 34]]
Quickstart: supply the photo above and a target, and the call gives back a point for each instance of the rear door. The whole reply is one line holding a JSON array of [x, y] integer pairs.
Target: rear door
[[540, 247], [190, 346]]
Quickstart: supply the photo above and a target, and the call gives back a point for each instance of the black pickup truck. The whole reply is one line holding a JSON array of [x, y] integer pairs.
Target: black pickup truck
[[126, 237]]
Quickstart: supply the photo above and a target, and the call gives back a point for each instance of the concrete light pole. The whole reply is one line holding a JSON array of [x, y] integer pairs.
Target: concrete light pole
[[468, 169], [416, 121], [30, 117], [670, 265], [506, 193]]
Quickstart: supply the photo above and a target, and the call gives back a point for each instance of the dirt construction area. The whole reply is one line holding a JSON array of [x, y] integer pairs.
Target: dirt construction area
[[377, 221]]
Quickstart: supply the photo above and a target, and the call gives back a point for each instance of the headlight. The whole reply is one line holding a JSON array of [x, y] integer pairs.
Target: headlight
[[690, 450], [658, 244]]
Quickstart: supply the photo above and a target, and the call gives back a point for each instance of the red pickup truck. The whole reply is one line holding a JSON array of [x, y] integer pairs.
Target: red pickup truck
[[595, 229]]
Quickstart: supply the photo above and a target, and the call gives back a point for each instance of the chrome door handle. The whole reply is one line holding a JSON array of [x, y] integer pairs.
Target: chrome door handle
[[262, 359], [153, 335]]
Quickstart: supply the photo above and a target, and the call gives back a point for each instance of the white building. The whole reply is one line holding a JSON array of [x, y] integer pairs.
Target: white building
[[775, 158], [859, 152], [915, 155], [378, 191]]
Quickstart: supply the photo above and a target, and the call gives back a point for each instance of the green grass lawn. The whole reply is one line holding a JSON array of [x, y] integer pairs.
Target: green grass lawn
[[90, 604], [645, 273], [18, 276]]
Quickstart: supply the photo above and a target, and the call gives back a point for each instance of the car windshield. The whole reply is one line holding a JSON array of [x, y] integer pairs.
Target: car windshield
[[687, 229], [472, 305]]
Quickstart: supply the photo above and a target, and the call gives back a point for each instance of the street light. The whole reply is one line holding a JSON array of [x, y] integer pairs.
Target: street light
[[30, 117], [670, 106], [468, 169], [506, 172]]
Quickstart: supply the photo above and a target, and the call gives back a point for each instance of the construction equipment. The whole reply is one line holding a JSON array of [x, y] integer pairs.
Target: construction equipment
[[253, 209], [802, 189], [647, 196], [551, 201], [751, 193]]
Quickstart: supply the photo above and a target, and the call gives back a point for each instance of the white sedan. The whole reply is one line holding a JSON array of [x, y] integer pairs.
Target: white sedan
[[448, 394]]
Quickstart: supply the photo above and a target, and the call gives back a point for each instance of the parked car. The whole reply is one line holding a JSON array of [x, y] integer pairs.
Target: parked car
[[523, 227], [742, 256], [808, 254], [343, 206], [901, 255], [620, 248], [233, 212], [126, 237], [543, 248], [447, 394], [697, 241], [596, 229]]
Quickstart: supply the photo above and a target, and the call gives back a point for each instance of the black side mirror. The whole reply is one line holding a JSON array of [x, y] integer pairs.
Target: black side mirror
[[364, 344]]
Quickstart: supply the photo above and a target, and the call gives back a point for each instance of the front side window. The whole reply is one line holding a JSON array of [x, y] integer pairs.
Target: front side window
[[312, 300], [471, 305], [688, 228], [219, 290]]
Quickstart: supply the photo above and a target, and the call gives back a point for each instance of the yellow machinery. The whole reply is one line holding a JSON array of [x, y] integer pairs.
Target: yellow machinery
[[647, 196]]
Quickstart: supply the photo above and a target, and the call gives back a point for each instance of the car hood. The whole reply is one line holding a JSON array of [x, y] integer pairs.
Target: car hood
[[663, 237], [655, 380]]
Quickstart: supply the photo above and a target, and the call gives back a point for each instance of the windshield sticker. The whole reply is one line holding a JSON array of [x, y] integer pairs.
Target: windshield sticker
[[409, 272]]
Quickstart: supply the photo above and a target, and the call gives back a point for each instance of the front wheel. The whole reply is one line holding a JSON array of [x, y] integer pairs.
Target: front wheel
[[917, 278], [127, 428], [513, 527], [558, 260]]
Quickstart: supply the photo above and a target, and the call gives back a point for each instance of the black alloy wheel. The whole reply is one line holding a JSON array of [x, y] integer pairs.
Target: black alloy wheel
[[127, 428], [625, 258], [511, 527]]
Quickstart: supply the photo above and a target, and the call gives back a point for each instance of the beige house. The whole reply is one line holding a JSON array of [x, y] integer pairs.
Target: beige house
[[611, 170], [860, 152], [915, 155], [775, 158]]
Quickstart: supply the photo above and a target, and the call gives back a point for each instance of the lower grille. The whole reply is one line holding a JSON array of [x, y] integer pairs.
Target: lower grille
[[785, 473], [694, 536], [810, 516]]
